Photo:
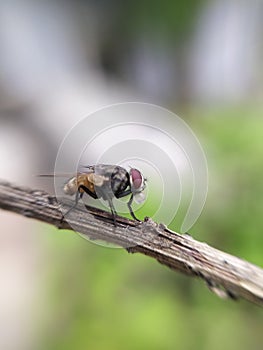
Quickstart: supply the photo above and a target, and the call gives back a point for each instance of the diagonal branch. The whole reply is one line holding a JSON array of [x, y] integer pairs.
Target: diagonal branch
[[226, 275]]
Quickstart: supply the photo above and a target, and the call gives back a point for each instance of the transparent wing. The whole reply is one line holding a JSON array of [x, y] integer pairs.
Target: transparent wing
[[68, 175], [97, 180]]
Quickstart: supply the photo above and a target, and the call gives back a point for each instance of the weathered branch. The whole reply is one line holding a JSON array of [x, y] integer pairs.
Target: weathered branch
[[224, 274]]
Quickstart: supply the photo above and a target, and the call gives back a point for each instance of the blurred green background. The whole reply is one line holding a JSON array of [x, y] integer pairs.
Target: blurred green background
[[200, 59]]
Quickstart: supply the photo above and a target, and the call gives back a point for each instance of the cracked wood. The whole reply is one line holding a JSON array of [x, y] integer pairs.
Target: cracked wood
[[224, 274]]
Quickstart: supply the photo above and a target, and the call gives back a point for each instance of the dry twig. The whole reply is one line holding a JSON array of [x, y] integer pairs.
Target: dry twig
[[224, 274]]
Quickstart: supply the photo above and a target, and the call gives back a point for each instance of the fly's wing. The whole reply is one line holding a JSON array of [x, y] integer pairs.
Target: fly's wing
[[84, 167], [97, 180], [101, 169], [68, 175], [101, 174]]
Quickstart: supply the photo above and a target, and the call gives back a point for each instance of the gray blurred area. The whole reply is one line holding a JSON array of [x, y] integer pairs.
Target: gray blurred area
[[61, 61]]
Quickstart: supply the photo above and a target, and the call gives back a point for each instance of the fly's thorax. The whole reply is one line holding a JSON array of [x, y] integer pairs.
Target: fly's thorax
[[119, 180]]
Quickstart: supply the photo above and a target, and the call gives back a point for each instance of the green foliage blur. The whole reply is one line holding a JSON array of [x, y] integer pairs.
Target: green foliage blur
[[100, 298]]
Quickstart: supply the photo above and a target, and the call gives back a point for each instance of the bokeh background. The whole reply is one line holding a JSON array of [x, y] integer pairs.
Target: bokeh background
[[61, 60]]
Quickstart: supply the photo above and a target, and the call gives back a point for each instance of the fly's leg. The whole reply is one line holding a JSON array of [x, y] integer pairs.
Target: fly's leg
[[130, 208], [113, 211], [88, 191], [78, 196], [126, 193], [122, 194]]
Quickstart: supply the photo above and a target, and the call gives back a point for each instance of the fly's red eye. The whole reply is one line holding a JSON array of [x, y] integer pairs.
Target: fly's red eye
[[136, 178]]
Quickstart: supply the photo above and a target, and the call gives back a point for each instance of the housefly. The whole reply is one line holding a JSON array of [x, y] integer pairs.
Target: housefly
[[107, 181]]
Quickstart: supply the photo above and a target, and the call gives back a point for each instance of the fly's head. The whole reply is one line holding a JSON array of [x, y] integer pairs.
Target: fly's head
[[138, 184]]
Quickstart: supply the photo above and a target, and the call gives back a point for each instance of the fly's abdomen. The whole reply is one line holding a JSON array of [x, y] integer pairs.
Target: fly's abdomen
[[71, 187]]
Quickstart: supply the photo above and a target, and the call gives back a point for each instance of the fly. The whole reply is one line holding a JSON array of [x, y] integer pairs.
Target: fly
[[106, 182]]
